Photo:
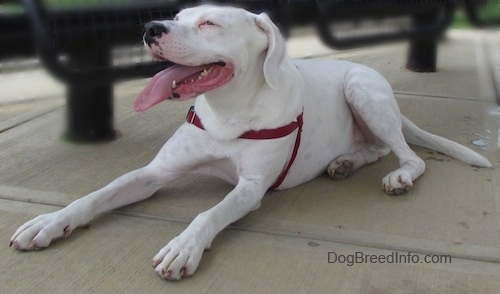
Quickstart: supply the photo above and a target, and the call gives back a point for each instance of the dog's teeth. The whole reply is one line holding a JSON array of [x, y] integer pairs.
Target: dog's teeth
[[174, 84], [204, 73], [192, 80]]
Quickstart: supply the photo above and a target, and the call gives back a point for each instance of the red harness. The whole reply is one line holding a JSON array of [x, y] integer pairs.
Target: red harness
[[264, 134]]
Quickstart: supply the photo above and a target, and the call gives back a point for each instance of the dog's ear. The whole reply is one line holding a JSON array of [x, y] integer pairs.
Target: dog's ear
[[275, 52]]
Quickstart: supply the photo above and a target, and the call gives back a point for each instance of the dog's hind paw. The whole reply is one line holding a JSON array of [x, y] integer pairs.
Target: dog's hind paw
[[397, 183], [340, 170]]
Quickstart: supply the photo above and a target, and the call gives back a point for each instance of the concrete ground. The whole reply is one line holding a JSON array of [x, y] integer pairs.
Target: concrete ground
[[289, 245]]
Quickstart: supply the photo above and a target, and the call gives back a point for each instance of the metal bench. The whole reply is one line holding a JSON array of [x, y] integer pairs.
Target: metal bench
[[81, 43]]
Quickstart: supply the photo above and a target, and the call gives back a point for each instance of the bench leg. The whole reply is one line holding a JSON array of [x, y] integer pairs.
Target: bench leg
[[423, 52], [90, 113], [89, 106], [422, 56]]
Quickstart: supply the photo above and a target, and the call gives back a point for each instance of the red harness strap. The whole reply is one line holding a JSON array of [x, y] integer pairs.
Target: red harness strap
[[264, 134]]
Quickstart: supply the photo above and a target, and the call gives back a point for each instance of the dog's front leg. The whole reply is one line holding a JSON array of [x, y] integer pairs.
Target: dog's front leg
[[182, 255], [129, 188]]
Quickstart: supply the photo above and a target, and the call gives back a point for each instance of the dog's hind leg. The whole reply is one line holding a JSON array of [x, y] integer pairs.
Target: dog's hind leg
[[344, 165], [374, 107]]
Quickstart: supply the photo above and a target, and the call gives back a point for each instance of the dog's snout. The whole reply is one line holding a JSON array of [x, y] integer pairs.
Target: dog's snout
[[154, 30]]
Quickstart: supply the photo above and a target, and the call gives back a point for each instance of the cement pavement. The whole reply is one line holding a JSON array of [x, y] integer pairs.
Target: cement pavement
[[288, 245]]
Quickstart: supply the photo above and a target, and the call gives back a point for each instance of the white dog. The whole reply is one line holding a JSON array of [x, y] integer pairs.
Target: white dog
[[261, 120]]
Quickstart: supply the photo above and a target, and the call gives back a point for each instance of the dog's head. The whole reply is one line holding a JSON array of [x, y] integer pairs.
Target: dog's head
[[212, 47]]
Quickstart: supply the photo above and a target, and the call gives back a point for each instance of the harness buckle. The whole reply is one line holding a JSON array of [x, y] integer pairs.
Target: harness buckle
[[192, 115]]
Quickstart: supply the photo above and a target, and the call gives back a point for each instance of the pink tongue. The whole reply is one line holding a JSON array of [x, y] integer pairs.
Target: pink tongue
[[159, 87]]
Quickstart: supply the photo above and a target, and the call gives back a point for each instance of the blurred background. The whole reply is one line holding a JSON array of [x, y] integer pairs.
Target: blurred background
[[72, 53]]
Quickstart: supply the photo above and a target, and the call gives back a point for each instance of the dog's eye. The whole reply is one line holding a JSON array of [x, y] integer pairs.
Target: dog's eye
[[207, 23]]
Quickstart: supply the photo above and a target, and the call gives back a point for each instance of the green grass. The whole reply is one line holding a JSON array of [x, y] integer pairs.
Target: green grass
[[489, 11], [70, 3], [11, 8], [460, 20], [17, 7]]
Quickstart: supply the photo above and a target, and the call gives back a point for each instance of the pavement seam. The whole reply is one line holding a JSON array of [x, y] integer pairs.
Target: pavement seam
[[485, 76], [21, 119], [438, 96], [490, 70]]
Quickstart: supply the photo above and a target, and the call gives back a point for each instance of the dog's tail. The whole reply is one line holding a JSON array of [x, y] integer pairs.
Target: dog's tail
[[417, 136]]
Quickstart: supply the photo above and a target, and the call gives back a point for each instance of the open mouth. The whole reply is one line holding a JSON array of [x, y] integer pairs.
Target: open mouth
[[181, 82]]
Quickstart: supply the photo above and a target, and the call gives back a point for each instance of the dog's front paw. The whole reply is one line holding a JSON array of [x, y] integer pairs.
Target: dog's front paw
[[179, 258], [397, 183], [39, 232]]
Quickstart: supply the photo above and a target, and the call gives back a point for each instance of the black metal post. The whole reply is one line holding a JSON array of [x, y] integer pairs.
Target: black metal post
[[422, 54], [90, 106]]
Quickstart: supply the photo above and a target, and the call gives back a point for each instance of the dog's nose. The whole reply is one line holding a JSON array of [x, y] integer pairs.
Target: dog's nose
[[153, 30]]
